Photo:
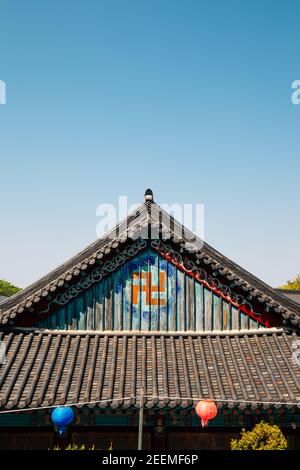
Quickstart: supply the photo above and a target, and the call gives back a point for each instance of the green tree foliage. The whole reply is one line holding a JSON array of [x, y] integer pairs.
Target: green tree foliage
[[292, 285], [262, 437], [7, 289], [80, 447]]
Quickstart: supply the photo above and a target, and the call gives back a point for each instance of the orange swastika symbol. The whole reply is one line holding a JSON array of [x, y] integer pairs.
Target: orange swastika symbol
[[143, 282]]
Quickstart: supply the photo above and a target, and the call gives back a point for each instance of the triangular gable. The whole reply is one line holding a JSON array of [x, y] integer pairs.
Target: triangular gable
[[148, 293], [25, 307]]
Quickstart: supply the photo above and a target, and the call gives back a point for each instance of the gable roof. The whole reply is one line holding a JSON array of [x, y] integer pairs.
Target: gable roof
[[290, 294], [150, 216]]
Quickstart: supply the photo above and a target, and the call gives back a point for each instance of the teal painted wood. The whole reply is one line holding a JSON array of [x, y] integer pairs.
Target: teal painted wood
[[117, 300], [61, 320], [53, 320], [244, 321], [109, 303], [199, 307], [235, 318], [145, 309], [181, 314], [208, 310], [253, 323], [163, 295], [226, 312], [148, 294], [99, 307], [218, 313], [190, 304], [90, 304], [171, 296], [127, 291], [136, 293], [187, 303], [69, 308], [154, 266], [81, 312]]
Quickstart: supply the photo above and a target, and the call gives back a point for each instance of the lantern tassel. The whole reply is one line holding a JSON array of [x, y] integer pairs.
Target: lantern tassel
[[61, 430], [204, 422]]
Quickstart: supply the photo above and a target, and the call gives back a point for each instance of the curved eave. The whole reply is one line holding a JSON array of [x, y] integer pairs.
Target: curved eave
[[51, 368]]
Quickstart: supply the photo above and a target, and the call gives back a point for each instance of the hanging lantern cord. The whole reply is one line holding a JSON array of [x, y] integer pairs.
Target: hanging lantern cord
[[145, 397]]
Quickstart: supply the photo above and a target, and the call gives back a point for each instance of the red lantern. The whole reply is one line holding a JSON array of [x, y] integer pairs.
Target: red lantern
[[206, 410]]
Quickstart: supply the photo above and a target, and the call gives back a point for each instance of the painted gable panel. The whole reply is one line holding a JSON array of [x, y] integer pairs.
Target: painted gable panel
[[148, 293]]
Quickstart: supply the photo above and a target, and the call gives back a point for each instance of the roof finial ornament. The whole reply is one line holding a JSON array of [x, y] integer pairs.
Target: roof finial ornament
[[148, 195]]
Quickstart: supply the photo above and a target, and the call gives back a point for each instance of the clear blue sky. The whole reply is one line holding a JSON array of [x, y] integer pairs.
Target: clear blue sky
[[191, 98]]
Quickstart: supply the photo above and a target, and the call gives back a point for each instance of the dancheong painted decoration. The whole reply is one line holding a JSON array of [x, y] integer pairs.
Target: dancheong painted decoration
[[149, 292], [152, 323]]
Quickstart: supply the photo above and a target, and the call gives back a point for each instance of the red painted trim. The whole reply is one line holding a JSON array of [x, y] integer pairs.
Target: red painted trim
[[243, 308]]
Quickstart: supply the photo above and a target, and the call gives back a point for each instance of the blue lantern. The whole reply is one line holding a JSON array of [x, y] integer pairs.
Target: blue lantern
[[62, 417]]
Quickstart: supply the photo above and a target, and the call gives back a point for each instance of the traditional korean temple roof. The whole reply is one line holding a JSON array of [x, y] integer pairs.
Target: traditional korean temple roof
[[2, 297], [218, 333], [291, 294], [45, 368], [148, 217]]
